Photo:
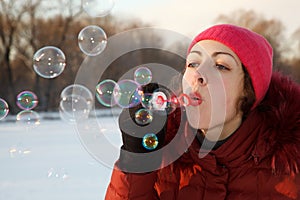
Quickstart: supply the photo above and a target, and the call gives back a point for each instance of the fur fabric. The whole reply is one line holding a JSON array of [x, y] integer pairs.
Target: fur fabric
[[281, 113]]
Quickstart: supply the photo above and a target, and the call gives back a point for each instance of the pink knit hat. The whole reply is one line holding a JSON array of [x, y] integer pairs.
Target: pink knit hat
[[253, 50]]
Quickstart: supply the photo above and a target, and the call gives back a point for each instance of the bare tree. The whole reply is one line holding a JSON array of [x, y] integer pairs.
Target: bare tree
[[12, 12], [294, 61], [296, 40], [25, 27]]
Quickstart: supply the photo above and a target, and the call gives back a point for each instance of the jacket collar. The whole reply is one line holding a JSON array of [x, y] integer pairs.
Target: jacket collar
[[237, 149]]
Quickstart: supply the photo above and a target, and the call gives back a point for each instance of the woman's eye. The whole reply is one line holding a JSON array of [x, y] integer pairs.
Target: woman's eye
[[221, 67], [193, 65]]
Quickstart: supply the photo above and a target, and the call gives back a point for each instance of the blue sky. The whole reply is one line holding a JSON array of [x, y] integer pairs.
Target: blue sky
[[191, 16]]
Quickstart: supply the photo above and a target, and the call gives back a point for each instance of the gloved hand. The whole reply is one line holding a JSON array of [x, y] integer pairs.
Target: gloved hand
[[135, 155]]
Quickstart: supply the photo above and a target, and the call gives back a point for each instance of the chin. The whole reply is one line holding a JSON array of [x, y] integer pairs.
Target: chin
[[197, 120]]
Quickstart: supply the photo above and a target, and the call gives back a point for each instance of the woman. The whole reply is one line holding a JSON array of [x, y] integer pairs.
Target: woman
[[240, 129]]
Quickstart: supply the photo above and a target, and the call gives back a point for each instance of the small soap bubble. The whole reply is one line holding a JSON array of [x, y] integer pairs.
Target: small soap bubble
[[74, 107], [104, 92], [150, 141], [49, 62], [126, 93], [78, 90], [27, 100], [143, 116], [18, 151], [4, 109], [146, 100], [159, 100], [92, 40], [172, 104], [155, 101], [184, 100], [28, 119], [143, 75], [57, 173], [164, 99], [98, 8]]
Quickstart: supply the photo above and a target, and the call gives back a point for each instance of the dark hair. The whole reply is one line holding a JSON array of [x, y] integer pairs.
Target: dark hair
[[247, 100]]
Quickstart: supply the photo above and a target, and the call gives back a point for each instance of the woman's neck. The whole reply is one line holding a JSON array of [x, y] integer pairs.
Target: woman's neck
[[223, 131]]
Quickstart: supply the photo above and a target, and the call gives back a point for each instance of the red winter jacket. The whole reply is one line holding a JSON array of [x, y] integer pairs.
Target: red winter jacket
[[261, 160]]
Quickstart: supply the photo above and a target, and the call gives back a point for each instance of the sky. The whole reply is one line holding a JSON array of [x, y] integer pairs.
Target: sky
[[189, 17]]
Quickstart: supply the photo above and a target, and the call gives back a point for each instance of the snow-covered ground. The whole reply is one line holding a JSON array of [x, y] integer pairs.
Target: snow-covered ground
[[50, 162]]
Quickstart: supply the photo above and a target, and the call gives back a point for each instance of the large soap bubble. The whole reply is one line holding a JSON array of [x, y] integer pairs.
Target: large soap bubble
[[49, 62], [74, 107], [78, 90], [28, 119], [104, 92], [98, 8], [92, 40], [143, 75], [76, 103], [126, 93]]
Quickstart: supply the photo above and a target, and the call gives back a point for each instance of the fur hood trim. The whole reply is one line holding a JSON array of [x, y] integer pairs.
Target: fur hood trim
[[280, 110]]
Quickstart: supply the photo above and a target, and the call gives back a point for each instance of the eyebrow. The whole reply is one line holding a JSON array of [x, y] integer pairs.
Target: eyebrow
[[197, 52], [217, 53], [221, 52]]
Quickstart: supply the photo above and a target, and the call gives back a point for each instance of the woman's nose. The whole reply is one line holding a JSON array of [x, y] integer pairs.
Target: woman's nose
[[199, 78], [202, 81]]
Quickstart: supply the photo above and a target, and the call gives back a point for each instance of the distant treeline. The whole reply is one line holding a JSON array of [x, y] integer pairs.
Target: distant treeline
[[24, 29]]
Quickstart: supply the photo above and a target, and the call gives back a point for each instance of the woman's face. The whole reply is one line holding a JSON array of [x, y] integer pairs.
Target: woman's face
[[213, 82]]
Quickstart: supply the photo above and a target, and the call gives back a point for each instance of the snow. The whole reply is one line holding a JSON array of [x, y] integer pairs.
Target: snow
[[52, 161]]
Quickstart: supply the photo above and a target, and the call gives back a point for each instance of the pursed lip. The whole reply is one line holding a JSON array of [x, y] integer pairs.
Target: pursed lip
[[195, 99]]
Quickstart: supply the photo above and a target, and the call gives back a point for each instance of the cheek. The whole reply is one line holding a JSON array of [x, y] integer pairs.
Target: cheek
[[186, 79], [186, 73], [233, 94]]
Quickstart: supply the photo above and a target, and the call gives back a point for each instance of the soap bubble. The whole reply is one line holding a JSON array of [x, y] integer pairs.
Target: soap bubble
[[104, 92], [92, 40], [76, 103], [150, 141], [155, 101], [143, 116], [49, 62], [4, 109], [184, 100], [159, 100], [126, 93], [57, 173], [78, 90], [98, 8], [74, 107], [18, 151], [28, 119], [164, 99], [143, 75], [146, 99], [27, 100]]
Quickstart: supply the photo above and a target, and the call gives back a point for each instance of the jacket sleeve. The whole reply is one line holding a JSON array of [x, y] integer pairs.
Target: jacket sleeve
[[131, 186]]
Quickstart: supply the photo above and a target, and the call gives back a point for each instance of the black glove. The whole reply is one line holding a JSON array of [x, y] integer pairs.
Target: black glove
[[136, 156]]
